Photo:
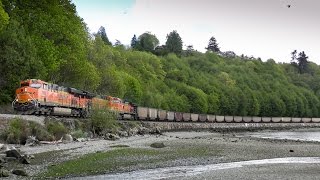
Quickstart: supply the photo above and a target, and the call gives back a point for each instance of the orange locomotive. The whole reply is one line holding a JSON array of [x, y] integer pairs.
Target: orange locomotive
[[40, 97]]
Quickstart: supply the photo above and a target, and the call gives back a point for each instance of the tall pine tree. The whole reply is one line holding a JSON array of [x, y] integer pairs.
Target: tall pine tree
[[213, 45], [102, 33], [134, 42]]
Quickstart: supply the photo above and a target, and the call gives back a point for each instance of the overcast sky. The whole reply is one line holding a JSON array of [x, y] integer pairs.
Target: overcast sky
[[262, 28]]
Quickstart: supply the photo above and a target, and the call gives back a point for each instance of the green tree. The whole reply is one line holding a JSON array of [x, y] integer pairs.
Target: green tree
[[18, 60], [102, 33], [134, 42], [4, 17], [213, 45], [174, 43], [147, 42]]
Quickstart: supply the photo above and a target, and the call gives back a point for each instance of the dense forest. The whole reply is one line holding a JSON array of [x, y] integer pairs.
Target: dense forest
[[48, 40]]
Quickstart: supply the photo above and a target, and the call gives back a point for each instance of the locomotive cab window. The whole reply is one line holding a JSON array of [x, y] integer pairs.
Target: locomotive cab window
[[35, 85], [23, 84], [45, 86]]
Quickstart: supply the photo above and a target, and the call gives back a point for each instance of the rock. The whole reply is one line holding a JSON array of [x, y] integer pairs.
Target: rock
[[4, 173], [31, 156], [133, 131], [158, 145], [9, 159], [32, 141], [156, 130], [13, 153], [24, 160], [67, 138], [291, 150], [2, 160], [81, 139], [19, 172], [123, 133], [143, 131], [111, 137]]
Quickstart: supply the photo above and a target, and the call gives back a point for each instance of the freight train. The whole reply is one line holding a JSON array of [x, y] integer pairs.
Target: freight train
[[42, 98]]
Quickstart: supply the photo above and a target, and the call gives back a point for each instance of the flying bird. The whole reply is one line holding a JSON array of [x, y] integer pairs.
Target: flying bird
[[288, 5]]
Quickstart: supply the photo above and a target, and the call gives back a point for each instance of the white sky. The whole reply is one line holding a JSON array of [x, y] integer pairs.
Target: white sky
[[262, 28]]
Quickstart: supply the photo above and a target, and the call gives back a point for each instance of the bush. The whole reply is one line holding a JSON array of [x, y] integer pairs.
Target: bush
[[78, 134], [103, 121], [57, 129], [40, 132], [17, 131]]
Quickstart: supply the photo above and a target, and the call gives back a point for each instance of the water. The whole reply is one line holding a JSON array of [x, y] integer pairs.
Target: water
[[290, 135], [188, 171]]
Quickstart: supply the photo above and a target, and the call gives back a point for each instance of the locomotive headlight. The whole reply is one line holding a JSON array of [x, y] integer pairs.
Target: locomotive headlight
[[25, 89]]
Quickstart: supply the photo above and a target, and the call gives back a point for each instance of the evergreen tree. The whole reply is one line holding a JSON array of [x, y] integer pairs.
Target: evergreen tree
[[102, 33], [302, 62], [213, 45], [134, 42], [174, 43], [189, 50]]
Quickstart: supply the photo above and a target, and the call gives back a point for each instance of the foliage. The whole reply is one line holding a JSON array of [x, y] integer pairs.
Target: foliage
[[134, 42], [103, 121], [4, 17], [19, 130], [103, 35], [57, 129], [174, 43], [301, 62], [213, 45], [147, 42], [48, 40]]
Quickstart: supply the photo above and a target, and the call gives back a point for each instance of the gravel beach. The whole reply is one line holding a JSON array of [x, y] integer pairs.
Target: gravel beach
[[210, 148]]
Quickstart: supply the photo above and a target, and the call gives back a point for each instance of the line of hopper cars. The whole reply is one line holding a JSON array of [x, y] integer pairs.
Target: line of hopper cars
[[152, 114]]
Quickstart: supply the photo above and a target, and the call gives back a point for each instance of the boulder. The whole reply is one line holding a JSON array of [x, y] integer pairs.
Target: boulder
[[4, 173], [10, 159], [32, 141], [24, 160], [2, 160], [112, 137], [143, 131], [123, 133], [19, 172], [155, 130], [67, 138], [133, 131], [158, 145], [13, 153]]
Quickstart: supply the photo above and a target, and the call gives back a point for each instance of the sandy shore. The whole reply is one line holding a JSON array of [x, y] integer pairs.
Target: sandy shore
[[210, 148]]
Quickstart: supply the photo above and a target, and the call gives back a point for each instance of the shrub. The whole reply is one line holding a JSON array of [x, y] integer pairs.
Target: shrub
[[57, 129], [103, 121], [40, 132], [78, 134], [17, 131]]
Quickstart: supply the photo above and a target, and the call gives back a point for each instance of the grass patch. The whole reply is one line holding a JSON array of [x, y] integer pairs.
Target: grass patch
[[99, 163], [119, 146], [126, 159]]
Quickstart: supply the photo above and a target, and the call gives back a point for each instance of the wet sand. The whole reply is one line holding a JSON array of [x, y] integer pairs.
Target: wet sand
[[218, 148]]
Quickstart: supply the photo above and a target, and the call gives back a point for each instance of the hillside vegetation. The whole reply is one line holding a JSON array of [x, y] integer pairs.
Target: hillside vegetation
[[49, 41]]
